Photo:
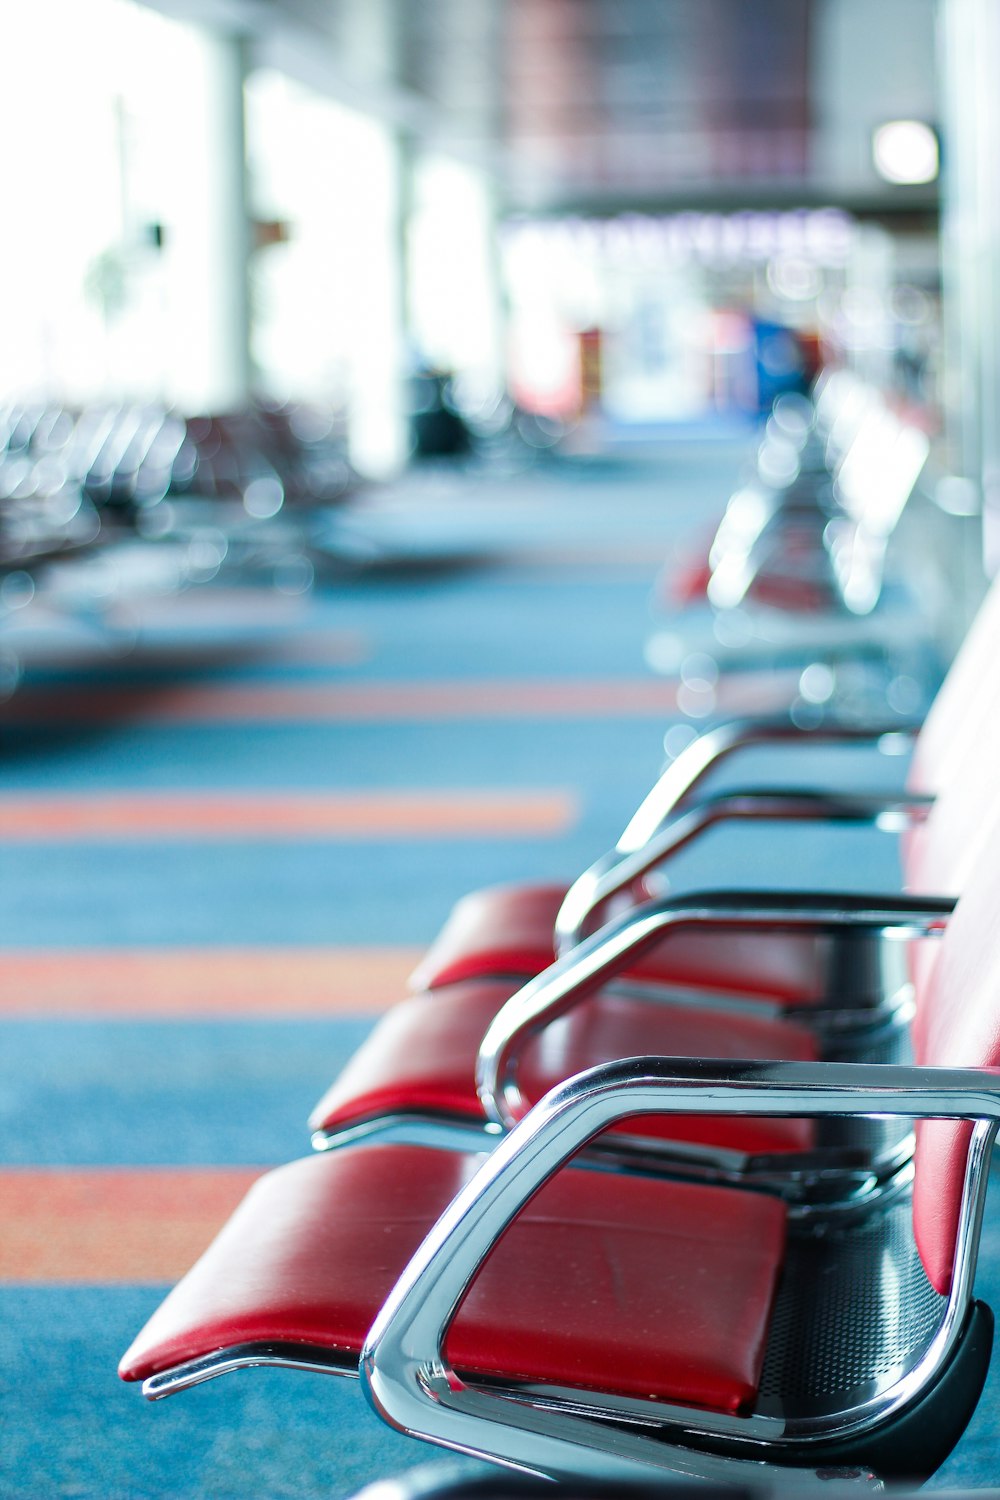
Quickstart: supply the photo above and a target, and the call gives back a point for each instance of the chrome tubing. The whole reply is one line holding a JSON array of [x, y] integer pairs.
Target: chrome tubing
[[577, 974], [615, 871], [403, 1367]]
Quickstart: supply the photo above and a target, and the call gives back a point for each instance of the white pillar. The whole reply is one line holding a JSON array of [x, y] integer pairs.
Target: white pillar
[[970, 35], [208, 242], [455, 299], [377, 433]]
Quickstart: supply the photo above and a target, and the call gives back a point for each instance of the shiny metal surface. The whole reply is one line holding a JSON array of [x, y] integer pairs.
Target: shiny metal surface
[[825, 1184], [417, 1128], [629, 861], [713, 746], [595, 960], [247, 1357], [403, 1367]]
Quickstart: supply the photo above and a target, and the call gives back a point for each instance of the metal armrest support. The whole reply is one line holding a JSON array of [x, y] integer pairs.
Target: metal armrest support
[[675, 785], [403, 1366], [616, 871], [597, 959]]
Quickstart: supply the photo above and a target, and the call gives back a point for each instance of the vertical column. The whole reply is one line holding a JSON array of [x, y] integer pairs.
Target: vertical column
[[209, 244], [377, 435], [455, 300], [230, 261], [970, 34], [959, 233]]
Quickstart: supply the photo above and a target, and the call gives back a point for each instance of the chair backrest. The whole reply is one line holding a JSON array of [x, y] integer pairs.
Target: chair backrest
[[955, 759], [957, 1025], [963, 697]]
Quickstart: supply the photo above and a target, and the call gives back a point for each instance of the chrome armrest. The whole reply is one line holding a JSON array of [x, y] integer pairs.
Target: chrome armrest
[[596, 959], [614, 872], [403, 1365], [679, 780]]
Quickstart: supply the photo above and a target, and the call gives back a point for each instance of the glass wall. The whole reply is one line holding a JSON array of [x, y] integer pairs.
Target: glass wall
[[116, 265], [667, 318]]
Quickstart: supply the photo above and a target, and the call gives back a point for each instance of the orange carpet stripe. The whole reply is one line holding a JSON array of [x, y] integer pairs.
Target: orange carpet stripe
[[345, 702], [376, 702], [266, 815], [170, 982], [113, 1224]]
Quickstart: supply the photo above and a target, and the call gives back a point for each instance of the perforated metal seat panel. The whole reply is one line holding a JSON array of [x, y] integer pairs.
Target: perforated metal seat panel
[[837, 1336]]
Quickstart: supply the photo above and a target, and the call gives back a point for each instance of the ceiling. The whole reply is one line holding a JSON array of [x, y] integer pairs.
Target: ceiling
[[596, 105], [608, 97]]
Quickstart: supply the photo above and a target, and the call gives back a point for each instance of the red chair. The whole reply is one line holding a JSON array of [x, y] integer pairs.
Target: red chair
[[516, 931], [564, 1318], [476, 1056], [834, 994]]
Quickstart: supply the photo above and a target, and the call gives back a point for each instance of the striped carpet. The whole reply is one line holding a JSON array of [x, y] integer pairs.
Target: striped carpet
[[223, 857]]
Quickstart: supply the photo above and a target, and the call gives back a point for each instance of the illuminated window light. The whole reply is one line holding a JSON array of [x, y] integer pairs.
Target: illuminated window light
[[906, 151]]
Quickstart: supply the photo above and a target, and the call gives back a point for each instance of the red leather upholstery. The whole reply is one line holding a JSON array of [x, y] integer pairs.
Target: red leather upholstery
[[784, 591], [504, 929], [626, 1284], [422, 1056], [957, 1026], [688, 583], [509, 930]]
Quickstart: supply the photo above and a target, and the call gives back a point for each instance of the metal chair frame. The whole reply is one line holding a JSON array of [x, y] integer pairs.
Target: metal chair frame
[[850, 1162], [670, 816], [573, 1435]]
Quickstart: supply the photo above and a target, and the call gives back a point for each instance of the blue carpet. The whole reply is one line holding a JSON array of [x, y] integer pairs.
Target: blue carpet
[[71, 1429], [467, 588], [101, 1093], [312, 893]]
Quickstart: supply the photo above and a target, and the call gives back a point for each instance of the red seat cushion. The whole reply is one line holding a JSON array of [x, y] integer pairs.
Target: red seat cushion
[[509, 930], [504, 929], [422, 1056], [625, 1284]]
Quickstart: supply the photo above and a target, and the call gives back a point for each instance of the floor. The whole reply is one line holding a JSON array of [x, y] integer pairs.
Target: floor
[[221, 858]]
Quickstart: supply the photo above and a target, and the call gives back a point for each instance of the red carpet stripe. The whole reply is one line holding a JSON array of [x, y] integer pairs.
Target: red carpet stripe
[[144, 983], [321, 702], [381, 701], [282, 815], [113, 1224]]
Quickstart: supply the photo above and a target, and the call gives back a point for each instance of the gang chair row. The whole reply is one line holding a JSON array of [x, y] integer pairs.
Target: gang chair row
[[796, 572], [128, 458], [588, 1260], [809, 530], [475, 1032], [105, 510], [258, 481], [629, 1320]]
